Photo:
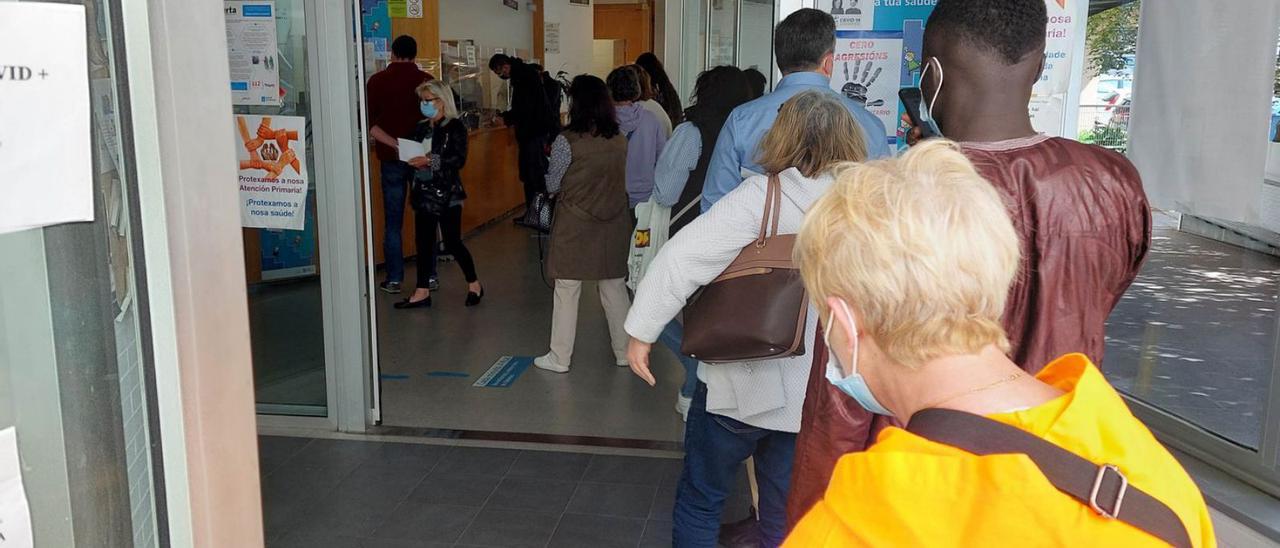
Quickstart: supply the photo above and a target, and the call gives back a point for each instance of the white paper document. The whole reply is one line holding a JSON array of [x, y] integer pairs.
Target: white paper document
[[15, 514], [252, 52], [46, 159], [410, 149]]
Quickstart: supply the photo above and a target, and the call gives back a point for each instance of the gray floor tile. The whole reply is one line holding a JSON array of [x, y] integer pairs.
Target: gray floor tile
[[380, 484], [550, 465], [657, 534], [309, 539], [340, 516], [420, 521], [663, 504], [409, 455], [333, 453], [455, 489], [477, 461], [394, 543], [580, 530], [630, 501], [275, 450], [532, 494], [629, 470], [493, 527]]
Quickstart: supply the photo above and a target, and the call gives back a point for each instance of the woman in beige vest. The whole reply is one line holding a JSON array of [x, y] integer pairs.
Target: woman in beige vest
[[592, 227]]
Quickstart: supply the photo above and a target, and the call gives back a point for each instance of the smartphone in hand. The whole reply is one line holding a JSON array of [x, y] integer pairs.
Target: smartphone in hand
[[913, 100]]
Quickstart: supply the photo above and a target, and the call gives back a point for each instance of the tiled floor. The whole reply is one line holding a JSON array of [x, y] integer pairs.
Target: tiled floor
[[347, 494], [430, 357]]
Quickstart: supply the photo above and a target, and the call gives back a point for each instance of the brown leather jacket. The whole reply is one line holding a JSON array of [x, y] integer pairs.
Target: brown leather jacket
[[1085, 227]]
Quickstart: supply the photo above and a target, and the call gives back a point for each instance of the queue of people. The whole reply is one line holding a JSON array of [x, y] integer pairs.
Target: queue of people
[[959, 294], [947, 391]]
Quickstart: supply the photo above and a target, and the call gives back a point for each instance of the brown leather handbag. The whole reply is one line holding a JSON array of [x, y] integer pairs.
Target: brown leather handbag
[[756, 309]]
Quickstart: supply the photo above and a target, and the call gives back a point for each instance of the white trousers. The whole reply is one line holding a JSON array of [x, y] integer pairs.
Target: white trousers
[[564, 317]]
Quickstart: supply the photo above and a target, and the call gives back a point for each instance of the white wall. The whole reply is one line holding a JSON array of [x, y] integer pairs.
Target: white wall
[[577, 30], [490, 23]]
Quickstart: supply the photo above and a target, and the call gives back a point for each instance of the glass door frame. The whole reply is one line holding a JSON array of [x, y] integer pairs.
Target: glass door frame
[[781, 8], [339, 223]]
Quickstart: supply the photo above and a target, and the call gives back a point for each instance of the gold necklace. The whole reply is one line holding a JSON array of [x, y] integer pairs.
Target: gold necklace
[[1004, 380]]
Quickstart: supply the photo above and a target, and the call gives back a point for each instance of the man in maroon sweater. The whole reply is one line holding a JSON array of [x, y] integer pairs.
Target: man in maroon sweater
[[1080, 212], [394, 110]]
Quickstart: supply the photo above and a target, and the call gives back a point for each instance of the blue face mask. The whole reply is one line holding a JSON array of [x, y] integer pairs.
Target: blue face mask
[[926, 110], [429, 109], [853, 385]]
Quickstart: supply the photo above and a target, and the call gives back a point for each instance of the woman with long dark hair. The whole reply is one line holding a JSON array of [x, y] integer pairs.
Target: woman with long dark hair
[[592, 227], [664, 93], [680, 173]]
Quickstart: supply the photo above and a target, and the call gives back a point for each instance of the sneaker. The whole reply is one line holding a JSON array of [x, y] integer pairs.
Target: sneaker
[[545, 363], [433, 283], [682, 406], [390, 287]]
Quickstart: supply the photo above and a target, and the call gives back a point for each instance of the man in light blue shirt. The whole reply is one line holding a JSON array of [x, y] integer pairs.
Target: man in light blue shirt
[[804, 43]]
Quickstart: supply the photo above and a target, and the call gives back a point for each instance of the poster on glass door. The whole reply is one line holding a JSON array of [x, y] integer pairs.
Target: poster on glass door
[[851, 14], [253, 52], [273, 171], [868, 69], [1052, 110]]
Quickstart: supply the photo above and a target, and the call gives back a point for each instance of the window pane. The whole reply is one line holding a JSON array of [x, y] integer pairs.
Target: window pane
[[1195, 334], [695, 47], [724, 33]]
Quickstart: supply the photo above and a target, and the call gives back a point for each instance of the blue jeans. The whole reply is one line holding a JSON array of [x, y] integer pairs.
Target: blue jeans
[[671, 336], [715, 447], [395, 185]]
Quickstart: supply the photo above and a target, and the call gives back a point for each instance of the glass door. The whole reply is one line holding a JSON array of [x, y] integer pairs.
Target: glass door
[[693, 55], [757, 53], [722, 30], [286, 312]]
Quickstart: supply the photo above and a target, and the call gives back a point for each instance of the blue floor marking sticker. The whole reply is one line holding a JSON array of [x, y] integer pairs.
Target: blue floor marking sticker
[[504, 372], [388, 377], [455, 374]]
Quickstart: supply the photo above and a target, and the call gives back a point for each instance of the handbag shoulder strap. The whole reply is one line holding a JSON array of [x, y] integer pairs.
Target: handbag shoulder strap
[[1103, 488], [772, 210]]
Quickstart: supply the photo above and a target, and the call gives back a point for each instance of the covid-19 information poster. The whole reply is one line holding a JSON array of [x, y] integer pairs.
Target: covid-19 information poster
[[878, 52], [253, 52]]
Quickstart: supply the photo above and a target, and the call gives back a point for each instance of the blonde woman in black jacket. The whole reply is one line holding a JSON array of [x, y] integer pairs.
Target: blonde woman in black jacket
[[437, 193]]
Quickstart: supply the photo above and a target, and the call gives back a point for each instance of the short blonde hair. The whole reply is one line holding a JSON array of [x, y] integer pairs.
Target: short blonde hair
[[921, 246], [814, 132], [444, 92]]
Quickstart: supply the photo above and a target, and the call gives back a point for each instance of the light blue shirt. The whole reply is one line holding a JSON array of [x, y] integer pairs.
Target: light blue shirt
[[678, 159], [738, 141]]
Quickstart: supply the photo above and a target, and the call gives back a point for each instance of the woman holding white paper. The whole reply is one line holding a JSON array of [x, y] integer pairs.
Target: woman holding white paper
[[437, 193]]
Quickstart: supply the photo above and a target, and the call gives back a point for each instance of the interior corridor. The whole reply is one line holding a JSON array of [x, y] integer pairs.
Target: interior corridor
[[430, 358]]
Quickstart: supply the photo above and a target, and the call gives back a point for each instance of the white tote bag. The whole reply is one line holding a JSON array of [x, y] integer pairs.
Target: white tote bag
[[653, 226]]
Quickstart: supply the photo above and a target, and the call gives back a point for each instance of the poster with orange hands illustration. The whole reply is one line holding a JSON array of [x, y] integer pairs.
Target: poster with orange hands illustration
[[271, 154]]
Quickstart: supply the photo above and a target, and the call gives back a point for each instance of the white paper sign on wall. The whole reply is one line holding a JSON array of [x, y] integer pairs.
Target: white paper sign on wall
[[15, 513], [413, 8], [46, 169]]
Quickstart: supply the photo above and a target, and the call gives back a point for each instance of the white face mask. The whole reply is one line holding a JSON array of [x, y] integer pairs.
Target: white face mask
[[854, 385]]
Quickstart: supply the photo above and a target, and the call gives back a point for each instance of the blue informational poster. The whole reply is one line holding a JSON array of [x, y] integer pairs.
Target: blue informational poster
[[290, 253], [878, 53], [375, 19]]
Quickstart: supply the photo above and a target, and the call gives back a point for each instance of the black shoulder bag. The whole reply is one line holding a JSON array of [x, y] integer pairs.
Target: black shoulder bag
[[1102, 487]]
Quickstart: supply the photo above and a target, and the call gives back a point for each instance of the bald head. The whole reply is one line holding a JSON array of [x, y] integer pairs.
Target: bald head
[[991, 52]]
